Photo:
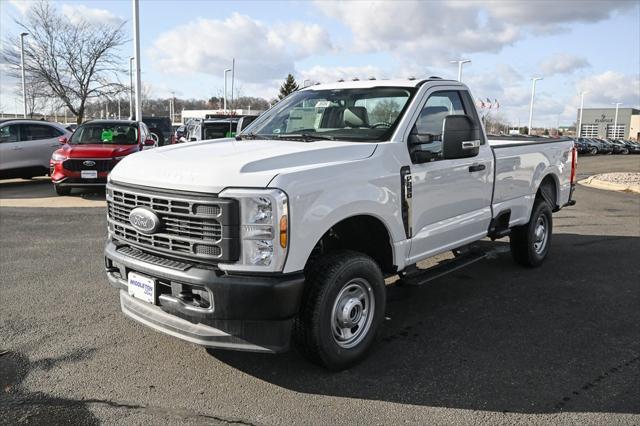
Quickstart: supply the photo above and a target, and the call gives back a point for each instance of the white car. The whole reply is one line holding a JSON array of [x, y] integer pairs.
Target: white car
[[290, 228], [26, 147]]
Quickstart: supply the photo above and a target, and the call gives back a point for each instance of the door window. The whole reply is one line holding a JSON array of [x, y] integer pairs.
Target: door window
[[35, 132], [9, 133], [428, 126]]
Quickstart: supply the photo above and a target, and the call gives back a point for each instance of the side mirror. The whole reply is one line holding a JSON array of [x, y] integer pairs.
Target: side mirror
[[460, 137], [63, 140], [149, 142]]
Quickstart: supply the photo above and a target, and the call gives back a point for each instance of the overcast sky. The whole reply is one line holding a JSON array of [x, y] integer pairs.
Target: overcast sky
[[575, 45]]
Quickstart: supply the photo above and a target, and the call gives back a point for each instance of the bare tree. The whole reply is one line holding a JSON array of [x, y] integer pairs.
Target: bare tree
[[36, 95], [75, 61]]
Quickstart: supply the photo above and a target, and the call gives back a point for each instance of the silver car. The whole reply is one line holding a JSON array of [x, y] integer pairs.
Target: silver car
[[26, 147]]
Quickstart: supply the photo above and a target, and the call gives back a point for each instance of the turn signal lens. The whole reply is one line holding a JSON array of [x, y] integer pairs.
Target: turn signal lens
[[284, 228]]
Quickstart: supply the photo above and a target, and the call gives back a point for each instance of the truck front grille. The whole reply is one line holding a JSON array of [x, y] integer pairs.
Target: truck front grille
[[195, 226]]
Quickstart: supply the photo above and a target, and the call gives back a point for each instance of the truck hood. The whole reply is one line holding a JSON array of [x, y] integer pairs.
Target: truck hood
[[210, 166]]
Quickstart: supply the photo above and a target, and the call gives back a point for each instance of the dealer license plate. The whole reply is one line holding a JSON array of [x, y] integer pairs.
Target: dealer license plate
[[142, 287], [89, 174]]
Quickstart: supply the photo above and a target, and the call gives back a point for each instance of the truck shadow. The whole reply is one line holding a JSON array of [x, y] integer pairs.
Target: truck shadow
[[17, 405], [499, 337], [41, 187]]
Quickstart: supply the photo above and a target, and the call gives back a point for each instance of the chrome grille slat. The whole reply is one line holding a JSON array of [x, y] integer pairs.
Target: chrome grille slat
[[190, 227]]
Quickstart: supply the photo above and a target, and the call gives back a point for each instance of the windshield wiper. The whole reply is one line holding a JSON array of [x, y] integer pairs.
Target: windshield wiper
[[252, 136], [305, 136]]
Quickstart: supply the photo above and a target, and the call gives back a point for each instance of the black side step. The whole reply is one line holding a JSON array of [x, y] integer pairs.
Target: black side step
[[417, 277]]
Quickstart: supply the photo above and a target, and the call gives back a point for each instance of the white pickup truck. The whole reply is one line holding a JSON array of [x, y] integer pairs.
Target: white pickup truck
[[290, 229]]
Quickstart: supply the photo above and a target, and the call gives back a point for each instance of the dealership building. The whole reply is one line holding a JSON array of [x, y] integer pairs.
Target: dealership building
[[601, 123]]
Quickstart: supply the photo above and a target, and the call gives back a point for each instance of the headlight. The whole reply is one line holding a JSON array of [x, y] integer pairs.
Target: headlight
[[264, 229], [56, 156]]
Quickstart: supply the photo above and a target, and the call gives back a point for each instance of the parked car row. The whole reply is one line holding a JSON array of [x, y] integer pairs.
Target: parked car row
[[594, 146]]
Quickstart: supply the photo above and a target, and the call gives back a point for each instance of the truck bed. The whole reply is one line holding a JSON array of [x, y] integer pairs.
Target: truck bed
[[521, 164]]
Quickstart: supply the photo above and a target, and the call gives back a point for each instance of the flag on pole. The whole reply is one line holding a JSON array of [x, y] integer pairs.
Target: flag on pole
[[497, 103], [489, 102]]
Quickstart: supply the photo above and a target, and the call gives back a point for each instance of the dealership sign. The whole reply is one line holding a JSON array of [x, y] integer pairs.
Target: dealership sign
[[604, 119]]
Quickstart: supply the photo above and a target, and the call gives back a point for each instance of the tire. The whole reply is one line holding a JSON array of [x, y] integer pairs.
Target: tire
[[593, 151], [530, 243], [346, 279], [61, 190]]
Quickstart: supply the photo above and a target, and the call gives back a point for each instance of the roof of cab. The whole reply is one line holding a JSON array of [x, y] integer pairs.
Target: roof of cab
[[365, 84]]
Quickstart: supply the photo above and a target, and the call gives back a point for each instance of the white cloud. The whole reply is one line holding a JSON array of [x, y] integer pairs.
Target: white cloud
[[22, 5], [535, 12], [420, 29], [609, 87], [262, 52], [563, 64], [77, 13]]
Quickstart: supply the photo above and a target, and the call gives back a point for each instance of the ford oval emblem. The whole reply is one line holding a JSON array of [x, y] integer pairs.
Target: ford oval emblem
[[89, 163], [144, 220]]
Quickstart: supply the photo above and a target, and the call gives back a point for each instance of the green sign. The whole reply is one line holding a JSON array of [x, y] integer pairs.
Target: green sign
[[107, 135]]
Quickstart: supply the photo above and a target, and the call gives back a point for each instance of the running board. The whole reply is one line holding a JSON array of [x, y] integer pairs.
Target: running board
[[418, 277]]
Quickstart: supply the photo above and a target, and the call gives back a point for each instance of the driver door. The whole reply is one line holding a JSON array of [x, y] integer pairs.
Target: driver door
[[451, 198]]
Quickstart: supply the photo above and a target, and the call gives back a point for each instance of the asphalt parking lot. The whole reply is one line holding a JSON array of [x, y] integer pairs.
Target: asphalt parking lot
[[493, 343]]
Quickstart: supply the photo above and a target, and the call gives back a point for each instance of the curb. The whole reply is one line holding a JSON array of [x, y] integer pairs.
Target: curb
[[594, 182]]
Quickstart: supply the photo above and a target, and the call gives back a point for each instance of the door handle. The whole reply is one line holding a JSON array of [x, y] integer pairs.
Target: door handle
[[17, 148], [477, 168]]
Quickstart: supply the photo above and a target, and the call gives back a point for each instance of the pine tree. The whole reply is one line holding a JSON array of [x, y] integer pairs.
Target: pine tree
[[289, 86]]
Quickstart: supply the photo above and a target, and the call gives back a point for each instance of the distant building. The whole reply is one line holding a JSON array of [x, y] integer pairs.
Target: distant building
[[600, 123]]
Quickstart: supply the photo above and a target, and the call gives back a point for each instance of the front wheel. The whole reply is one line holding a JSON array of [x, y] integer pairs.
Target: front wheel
[[530, 243], [342, 307], [61, 190], [593, 151]]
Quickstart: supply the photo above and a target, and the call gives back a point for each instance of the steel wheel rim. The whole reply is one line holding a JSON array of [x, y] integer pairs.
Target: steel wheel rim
[[352, 313], [541, 233]]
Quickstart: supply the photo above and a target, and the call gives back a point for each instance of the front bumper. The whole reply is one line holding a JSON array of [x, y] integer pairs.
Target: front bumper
[[251, 313]]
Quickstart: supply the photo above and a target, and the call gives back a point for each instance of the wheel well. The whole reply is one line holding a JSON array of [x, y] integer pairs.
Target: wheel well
[[365, 234], [548, 191]]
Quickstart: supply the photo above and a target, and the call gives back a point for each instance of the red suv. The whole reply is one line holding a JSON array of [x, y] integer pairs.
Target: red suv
[[93, 150]]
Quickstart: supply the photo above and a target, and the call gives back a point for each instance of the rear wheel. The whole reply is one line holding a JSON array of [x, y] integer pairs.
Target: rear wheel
[[342, 308], [61, 190], [593, 151], [530, 243]]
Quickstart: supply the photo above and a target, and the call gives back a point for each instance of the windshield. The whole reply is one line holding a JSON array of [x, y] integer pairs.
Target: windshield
[[368, 114], [106, 133]]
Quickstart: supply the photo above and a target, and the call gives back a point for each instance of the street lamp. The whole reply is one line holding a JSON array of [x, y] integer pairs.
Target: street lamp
[[225, 89], [136, 54], [579, 132], [615, 121], [24, 87], [533, 93], [460, 63], [131, 87]]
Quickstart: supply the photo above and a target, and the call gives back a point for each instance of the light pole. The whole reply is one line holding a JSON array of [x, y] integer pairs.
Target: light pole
[[533, 94], [615, 120], [579, 132], [460, 63], [24, 86], [225, 89], [131, 87], [136, 46], [233, 78]]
